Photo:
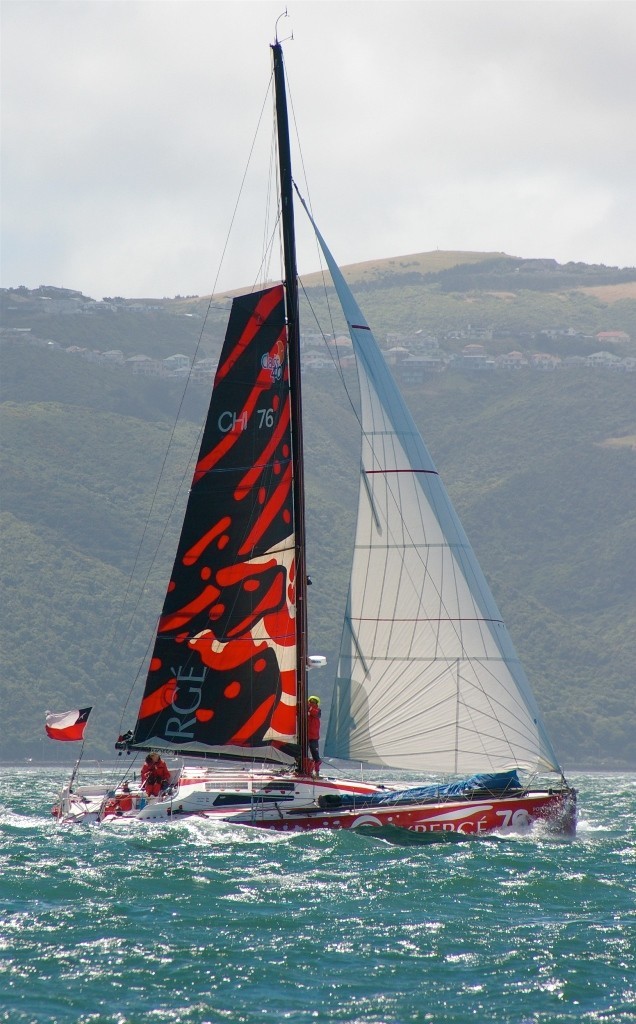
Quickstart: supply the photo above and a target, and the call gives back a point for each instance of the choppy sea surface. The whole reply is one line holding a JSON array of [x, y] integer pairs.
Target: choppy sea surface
[[195, 922]]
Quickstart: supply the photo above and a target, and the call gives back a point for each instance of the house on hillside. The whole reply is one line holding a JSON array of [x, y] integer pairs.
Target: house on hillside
[[203, 371], [113, 356], [417, 367], [145, 366], [559, 332], [511, 361], [612, 338], [417, 341], [395, 355], [607, 360], [544, 361], [177, 365], [475, 357]]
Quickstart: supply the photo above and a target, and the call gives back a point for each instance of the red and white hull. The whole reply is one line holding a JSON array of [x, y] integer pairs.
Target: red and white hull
[[291, 803], [554, 811]]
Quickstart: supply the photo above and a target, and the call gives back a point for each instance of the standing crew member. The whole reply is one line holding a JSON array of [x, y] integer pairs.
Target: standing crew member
[[313, 733]]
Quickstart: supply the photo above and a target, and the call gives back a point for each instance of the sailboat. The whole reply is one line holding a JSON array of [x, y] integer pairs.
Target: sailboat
[[428, 680]]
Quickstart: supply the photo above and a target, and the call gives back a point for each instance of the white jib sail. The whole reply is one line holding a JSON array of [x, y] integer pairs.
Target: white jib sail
[[428, 677]]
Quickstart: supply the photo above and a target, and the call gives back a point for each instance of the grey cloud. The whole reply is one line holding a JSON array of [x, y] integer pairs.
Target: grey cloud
[[126, 128]]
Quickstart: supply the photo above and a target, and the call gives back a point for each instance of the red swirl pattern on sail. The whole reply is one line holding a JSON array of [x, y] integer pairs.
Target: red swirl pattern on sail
[[263, 380], [223, 675], [276, 505], [267, 303]]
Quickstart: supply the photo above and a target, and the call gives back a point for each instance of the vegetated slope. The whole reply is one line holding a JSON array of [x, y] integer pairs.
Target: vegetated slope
[[539, 467], [36, 374], [79, 509], [548, 507], [154, 333], [82, 579], [446, 291]]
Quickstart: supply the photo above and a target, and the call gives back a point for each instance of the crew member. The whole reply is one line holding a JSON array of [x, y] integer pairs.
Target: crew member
[[313, 735], [125, 800], [155, 774]]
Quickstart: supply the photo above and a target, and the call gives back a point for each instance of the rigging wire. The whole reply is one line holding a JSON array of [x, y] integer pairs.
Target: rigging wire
[[322, 269], [195, 447]]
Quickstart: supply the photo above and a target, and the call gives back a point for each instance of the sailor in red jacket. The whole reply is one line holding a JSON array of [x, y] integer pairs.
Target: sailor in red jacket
[[313, 734], [155, 774]]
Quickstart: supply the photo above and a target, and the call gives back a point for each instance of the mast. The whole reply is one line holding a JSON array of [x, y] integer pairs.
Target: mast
[[293, 334]]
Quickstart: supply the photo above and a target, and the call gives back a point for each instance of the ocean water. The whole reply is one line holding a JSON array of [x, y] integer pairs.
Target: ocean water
[[194, 922]]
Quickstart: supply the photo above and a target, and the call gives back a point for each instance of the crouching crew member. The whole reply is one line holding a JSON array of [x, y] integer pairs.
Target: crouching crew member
[[155, 774]]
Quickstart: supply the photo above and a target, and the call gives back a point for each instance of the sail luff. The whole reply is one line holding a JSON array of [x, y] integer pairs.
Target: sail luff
[[293, 333]]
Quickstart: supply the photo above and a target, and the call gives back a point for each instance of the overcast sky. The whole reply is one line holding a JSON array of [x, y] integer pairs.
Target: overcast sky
[[492, 126]]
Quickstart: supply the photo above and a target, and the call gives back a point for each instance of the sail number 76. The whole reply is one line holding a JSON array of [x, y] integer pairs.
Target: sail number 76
[[265, 418], [231, 421]]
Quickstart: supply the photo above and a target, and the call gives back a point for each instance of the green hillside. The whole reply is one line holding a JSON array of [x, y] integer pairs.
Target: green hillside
[[541, 467]]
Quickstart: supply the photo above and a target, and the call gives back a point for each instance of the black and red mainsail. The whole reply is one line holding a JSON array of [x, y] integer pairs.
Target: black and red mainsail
[[223, 675], [227, 676]]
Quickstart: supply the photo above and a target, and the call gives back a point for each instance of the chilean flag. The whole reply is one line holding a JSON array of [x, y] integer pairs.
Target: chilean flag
[[67, 725]]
